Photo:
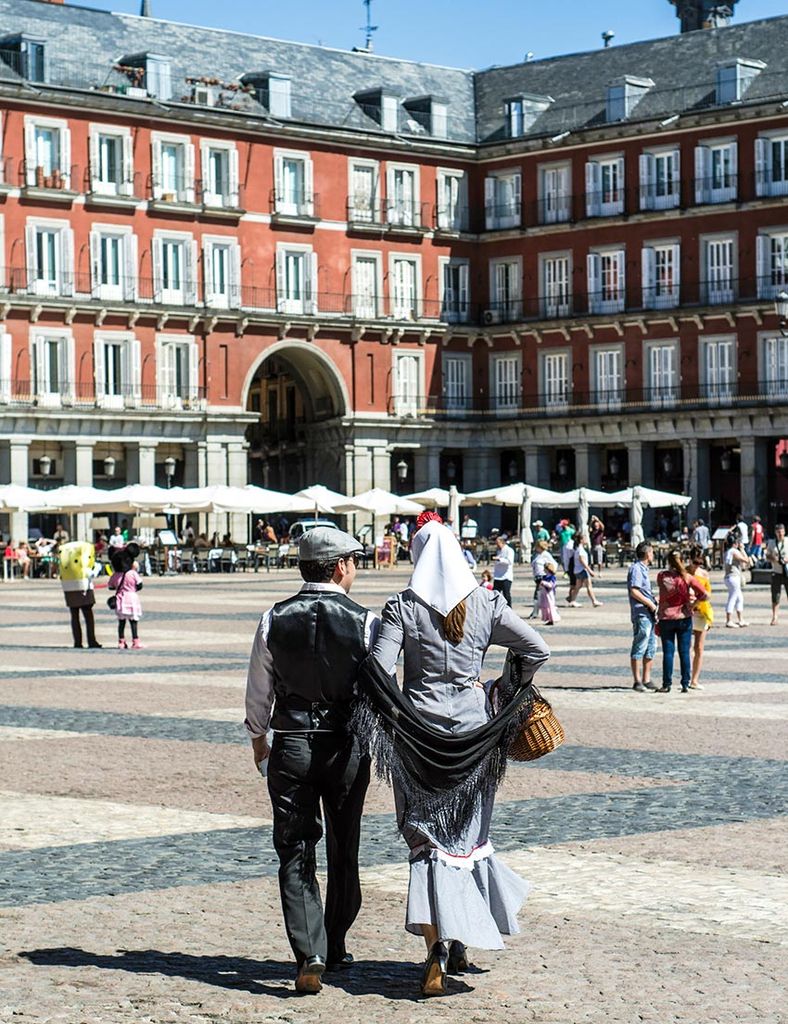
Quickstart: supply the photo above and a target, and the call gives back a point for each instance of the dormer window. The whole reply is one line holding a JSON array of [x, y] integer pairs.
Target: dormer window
[[521, 112], [25, 55], [624, 94], [427, 114], [150, 71], [735, 77], [382, 105], [272, 91]]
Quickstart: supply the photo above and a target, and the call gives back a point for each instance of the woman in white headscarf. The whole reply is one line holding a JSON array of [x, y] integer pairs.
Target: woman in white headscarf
[[459, 893]]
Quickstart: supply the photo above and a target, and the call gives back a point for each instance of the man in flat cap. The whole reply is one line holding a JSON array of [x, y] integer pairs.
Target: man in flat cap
[[301, 684]]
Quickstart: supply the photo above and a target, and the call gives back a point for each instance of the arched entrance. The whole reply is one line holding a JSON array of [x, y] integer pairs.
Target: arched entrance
[[296, 391]]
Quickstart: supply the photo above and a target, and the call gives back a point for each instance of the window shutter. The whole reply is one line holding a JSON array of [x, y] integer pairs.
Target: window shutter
[[676, 273], [188, 184], [702, 174], [281, 282], [763, 152], [95, 263], [130, 261], [489, 203], [95, 169], [192, 256], [648, 275], [194, 370], [161, 371], [234, 186], [235, 276], [67, 261], [209, 295], [647, 181], [593, 262], [593, 189], [98, 367], [763, 247], [310, 291], [157, 258], [32, 260], [38, 366], [734, 152], [67, 366], [6, 345], [65, 156], [279, 180], [621, 294], [155, 154], [309, 188], [517, 197], [30, 152], [464, 295], [675, 158], [134, 349], [621, 183], [127, 149]]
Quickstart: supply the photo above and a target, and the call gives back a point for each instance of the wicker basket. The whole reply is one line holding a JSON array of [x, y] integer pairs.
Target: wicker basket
[[541, 735]]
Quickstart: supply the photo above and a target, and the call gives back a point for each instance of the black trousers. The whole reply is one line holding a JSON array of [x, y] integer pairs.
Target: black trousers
[[505, 586], [306, 769], [76, 625]]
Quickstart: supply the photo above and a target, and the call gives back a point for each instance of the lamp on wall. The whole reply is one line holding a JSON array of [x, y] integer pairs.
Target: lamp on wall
[[614, 466], [513, 469], [109, 466], [169, 469], [667, 464], [451, 469], [402, 471], [781, 309], [45, 465], [725, 461]]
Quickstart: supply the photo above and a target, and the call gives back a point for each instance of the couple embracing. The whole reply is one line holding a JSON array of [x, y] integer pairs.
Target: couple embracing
[[322, 677]]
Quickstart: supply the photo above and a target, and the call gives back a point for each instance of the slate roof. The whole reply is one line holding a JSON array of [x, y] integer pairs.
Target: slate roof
[[84, 44]]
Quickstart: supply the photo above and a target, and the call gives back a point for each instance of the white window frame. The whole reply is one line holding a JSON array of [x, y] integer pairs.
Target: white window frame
[[184, 190], [299, 206], [510, 309], [773, 364], [449, 219], [596, 204], [398, 309], [231, 297], [186, 295], [306, 304], [765, 185], [6, 365], [656, 293], [650, 199], [402, 212], [705, 190], [721, 392], [407, 404], [367, 307], [130, 385], [597, 302], [454, 309], [614, 399], [714, 292], [457, 390], [509, 399], [661, 393], [555, 205], [61, 392], [63, 282], [357, 201], [771, 281], [122, 136], [550, 396], [500, 215], [167, 392], [549, 296], [126, 289], [33, 121], [209, 195]]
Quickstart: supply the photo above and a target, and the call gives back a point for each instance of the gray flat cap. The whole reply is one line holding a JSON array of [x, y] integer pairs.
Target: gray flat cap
[[321, 544]]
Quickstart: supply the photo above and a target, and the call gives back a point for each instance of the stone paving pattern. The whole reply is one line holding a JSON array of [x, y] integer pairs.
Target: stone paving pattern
[[138, 881]]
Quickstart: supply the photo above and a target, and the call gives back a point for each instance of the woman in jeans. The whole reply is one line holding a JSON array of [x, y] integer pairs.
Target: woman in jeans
[[678, 589]]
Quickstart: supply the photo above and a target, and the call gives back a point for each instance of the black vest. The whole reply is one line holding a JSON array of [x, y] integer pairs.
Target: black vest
[[316, 640]]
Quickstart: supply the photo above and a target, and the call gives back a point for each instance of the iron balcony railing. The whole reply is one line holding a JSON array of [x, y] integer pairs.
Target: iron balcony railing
[[514, 403], [299, 204], [69, 393]]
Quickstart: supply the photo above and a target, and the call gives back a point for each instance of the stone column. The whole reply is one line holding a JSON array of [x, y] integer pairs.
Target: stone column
[[754, 477], [83, 477], [641, 464], [237, 476], [146, 462], [215, 473], [696, 475], [586, 466], [537, 466], [19, 455], [426, 468]]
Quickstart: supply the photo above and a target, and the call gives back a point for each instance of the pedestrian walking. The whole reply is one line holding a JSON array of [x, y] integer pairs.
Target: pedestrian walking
[[701, 536], [77, 570], [301, 683], [643, 612], [756, 538], [735, 562], [597, 536], [702, 614], [459, 893], [777, 557], [127, 583], [678, 589], [583, 573], [503, 568], [543, 567]]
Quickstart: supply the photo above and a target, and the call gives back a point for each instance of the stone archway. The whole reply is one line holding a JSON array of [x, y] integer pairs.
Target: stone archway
[[297, 392]]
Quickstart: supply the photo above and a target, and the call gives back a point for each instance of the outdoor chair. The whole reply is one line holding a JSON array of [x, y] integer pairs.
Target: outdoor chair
[[200, 560]]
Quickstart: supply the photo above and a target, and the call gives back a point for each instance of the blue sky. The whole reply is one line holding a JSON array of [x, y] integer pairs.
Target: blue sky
[[459, 33]]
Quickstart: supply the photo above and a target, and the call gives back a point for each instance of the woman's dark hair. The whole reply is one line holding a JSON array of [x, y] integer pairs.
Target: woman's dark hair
[[733, 538], [696, 554], [675, 562]]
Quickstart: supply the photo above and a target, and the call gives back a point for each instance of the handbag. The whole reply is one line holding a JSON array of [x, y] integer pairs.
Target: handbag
[[540, 735], [112, 601]]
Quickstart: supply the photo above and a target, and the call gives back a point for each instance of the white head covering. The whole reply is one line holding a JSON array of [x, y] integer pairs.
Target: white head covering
[[441, 576]]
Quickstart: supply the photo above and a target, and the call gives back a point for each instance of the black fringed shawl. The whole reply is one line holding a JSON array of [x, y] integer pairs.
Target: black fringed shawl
[[443, 778]]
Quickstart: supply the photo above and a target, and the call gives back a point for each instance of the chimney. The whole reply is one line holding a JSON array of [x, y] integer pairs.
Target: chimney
[[697, 14], [145, 9]]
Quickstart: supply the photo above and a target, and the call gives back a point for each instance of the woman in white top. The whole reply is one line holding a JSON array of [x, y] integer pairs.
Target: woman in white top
[[583, 574], [542, 563], [735, 561]]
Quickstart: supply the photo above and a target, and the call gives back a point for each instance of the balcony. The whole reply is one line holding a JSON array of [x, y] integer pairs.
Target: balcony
[[407, 218], [83, 395], [121, 193], [364, 214], [50, 185], [573, 403], [294, 208]]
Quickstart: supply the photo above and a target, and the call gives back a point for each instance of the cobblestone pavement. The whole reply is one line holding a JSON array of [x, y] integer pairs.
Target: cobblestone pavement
[[138, 882]]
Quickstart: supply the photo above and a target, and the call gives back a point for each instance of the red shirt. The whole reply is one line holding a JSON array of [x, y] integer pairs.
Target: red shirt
[[675, 596], [757, 533]]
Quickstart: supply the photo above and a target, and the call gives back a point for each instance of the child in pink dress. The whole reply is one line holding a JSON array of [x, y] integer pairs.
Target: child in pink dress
[[126, 583]]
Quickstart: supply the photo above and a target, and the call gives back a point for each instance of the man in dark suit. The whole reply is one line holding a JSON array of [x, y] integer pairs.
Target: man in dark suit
[[301, 684]]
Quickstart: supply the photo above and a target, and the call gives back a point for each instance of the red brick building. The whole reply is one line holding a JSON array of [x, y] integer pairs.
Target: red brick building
[[281, 263]]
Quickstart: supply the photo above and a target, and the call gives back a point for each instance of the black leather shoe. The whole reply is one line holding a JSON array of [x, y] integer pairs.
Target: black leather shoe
[[95, 646], [458, 958], [340, 963], [309, 975]]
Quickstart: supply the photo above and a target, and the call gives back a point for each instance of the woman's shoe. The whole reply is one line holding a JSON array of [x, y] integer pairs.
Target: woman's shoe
[[731, 625], [458, 958], [136, 645], [123, 645], [433, 982], [742, 624]]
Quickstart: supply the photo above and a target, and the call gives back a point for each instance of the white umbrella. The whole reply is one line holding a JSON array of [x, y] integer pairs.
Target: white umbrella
[[514, 496], [636, 518], [453, 513], [323, 498], [650, 498], [74, 498], [16, 498], [582, 510], [380, 503], [255, 499], [434, 497], [526, 534]]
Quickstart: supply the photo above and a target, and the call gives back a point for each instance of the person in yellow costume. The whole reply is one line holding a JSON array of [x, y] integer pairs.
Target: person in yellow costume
[[702, 614], [77, 569]]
